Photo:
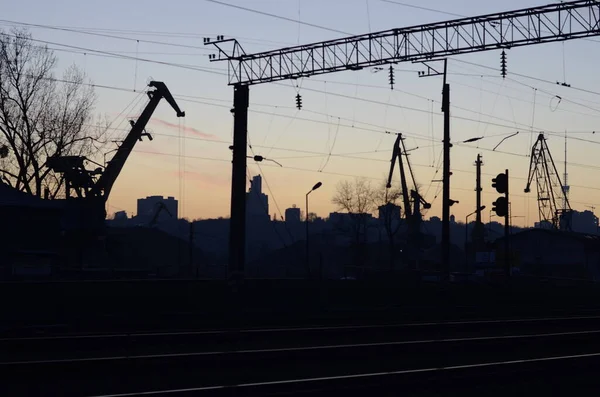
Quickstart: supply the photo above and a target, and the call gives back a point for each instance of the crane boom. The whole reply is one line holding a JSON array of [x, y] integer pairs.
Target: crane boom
[[106, 181], [412, 210], [549, 186], [397, 155], [554, 22]]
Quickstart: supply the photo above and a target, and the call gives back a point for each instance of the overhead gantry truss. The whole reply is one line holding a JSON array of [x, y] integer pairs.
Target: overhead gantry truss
[[555, 22], [536, 25]]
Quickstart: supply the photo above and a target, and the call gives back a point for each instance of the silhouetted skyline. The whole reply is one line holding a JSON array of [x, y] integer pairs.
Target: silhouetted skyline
[[494, 106]]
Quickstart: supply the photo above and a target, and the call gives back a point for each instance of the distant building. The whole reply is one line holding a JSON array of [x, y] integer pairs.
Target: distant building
[[544, 252], [543, 225], [389, 211], [147, 207], [257, 203], [584, 222], [292, 215], [452, 219], [121, 216]]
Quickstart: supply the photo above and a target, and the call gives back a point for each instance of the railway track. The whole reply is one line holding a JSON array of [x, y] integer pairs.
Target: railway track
[[305, 359]]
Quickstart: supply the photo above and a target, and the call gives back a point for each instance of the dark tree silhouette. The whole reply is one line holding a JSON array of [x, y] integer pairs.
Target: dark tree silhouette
[[357, 200], [39, 116]]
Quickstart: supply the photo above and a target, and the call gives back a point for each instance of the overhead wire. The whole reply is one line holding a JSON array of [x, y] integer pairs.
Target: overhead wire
[[264, 176], [335, 94], [423, 8], [182, 66], [220, 73], [110, 36], [310, 120], [268, 14]]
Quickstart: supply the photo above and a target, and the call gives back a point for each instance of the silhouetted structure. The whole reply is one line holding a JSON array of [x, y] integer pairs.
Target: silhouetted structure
[[389, 211], [147, 208], [549, 252], [584, 222], [257, 203], [363, 51], [292, 215]]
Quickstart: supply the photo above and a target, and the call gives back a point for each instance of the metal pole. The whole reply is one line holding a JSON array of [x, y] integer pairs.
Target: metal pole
[[478, 232], [446, 178], [191, 248], [237, 227], [466, 241], [307, 251], [478, 188], [507, 232]]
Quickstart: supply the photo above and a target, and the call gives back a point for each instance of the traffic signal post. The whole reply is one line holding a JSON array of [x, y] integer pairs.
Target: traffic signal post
[[501, 208]]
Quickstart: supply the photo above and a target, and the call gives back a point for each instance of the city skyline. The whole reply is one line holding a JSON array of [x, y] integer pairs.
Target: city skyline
[[341, 131]]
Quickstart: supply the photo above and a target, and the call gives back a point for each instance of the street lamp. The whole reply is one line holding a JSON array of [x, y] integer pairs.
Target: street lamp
[[315, 187], [467, 235]]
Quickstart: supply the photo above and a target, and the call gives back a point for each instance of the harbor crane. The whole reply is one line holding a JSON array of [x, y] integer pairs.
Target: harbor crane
[[412, 199], [499, 31], [94, 186], [550, 189]]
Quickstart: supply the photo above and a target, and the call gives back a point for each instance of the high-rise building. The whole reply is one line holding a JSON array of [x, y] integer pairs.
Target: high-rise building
[[147, 208], [292, 215], [257, 203]]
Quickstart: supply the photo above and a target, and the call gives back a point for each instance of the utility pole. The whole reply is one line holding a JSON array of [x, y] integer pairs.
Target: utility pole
[[507, 233], [446, 177], [478, 231], [502, 209], [237, 225], [478, 188]]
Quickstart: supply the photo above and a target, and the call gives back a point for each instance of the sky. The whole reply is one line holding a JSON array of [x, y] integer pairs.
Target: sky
[[340, 133]]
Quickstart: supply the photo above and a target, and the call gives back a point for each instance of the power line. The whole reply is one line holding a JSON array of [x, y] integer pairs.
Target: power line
[[102, 33], [422, 110], [361, 176], [189, 67], [526, 76], [520, 99], [324, 122], [279, 17], [588, 166], [310, 89], [110, 36], [424, 8]]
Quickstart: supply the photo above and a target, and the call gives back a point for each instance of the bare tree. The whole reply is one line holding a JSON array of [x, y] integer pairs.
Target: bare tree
[[39, 116], [355, 198]]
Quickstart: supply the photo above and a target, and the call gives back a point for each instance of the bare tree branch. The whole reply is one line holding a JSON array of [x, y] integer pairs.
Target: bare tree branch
[[40, 117]]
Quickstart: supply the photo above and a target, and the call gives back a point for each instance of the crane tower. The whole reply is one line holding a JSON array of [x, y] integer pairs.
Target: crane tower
[[550, 190]]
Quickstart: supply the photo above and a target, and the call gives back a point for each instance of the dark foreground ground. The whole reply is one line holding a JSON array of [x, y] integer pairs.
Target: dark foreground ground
[[288, 338]]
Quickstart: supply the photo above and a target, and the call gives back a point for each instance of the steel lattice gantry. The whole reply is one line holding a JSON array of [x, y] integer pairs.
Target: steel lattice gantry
[[536, 25], [555, 22]]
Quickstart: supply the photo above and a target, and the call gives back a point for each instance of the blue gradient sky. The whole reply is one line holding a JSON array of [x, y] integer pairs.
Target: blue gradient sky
[[203, 185]]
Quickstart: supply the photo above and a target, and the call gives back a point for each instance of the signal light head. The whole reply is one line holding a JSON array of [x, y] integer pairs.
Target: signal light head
[[500, 183], [500, 206]]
